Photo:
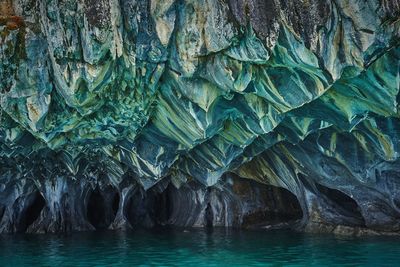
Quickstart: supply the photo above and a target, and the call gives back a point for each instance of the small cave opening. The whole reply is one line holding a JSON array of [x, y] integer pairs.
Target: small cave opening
[[96, 210], [276, 206], [343, 202], [151, 208], [33, 207], [102, 208], [209, 216]]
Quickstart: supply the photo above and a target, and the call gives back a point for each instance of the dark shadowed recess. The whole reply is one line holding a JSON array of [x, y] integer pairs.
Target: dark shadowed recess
[[102, 207], [236, 203], [245, 204], [34, 205], [342, 202], [151, 208], [280, 206], [2, 210], [209, 216]]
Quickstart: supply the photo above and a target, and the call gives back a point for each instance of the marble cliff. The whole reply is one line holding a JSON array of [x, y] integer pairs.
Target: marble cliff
[[243, 113]]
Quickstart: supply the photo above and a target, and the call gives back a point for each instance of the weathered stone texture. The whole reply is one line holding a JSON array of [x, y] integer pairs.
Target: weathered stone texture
[[131, 103]]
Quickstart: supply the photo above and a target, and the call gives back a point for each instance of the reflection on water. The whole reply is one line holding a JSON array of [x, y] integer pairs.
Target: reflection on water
[[219, 247]]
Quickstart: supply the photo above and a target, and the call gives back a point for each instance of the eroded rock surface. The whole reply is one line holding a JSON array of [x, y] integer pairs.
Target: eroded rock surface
[[122, 113]]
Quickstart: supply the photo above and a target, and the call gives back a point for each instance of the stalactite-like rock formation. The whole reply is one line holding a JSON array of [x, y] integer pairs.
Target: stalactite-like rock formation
[[275, 113]]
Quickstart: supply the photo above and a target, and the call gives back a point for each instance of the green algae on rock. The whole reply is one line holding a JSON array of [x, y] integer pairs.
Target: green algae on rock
[[169, 101]]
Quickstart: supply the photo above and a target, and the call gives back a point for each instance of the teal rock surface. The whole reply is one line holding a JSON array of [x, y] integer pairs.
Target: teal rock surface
[[273, 113]]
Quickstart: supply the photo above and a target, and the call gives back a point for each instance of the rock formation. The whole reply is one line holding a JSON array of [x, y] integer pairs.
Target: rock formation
[[274, 113]]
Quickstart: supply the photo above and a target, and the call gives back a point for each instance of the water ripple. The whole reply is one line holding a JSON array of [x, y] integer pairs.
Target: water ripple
[[177, 247]]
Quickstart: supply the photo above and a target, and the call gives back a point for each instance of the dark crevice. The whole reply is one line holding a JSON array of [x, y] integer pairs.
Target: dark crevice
[[96, 210], [305, 181], [342, 202], [33, 207], [209, 216], [161, 206], [67, 224], [2, 210], [115, 204]]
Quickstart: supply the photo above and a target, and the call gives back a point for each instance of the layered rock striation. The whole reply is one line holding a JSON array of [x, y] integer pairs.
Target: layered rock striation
[[125, 113]]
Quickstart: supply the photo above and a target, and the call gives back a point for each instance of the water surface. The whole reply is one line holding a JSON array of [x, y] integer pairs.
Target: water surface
[[180, 247]]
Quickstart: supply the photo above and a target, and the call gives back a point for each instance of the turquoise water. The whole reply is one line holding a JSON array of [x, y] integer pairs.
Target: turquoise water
[[197, 248]]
